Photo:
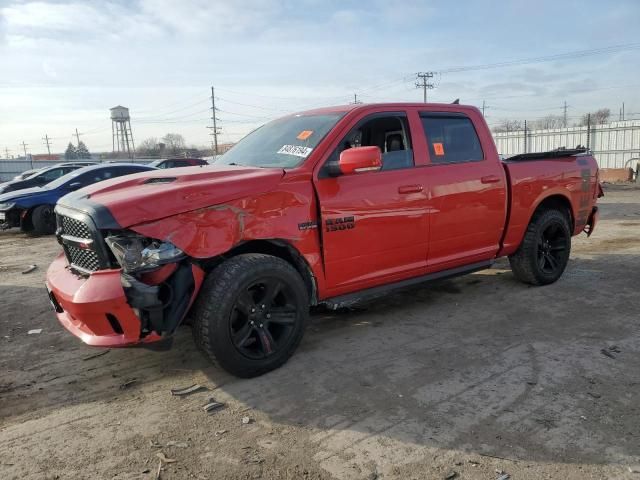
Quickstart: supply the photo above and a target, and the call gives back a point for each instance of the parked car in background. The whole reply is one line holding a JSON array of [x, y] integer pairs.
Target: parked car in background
[[178, 162], [25, 174], [38, 179], [31, 209], [329, 206], [28, 173]]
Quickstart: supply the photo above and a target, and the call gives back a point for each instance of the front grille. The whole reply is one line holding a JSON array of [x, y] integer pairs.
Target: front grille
[[75, 228], [81, 241], [83, 258]]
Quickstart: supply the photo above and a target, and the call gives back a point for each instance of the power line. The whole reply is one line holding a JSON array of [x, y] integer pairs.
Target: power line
[[546, 58], [424, 84]]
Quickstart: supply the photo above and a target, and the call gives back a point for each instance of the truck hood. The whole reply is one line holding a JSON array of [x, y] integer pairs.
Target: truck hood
[[149, 196]]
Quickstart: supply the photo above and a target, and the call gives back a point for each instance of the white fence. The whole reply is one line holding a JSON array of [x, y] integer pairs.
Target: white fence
[[613, 144]]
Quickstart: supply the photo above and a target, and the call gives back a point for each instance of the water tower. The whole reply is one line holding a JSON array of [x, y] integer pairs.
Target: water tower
[[121, 131]]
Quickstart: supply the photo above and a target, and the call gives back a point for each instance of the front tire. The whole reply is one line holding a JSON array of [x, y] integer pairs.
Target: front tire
[[544, 252], [251, 314], [43, 220]]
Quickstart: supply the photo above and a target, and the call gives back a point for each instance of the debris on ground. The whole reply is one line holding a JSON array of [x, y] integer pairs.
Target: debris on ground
[[154, 444], [35, 331], [181, 392], [474, 463], [220, 432], [164, 459], [594, 395], [29, 269], [128, 383], [373, 476], [173, 443], [212, 405], [450, 475], [159, 470], [615, 348], [247, 420], [96, 355], [607, 353], [504, 476]]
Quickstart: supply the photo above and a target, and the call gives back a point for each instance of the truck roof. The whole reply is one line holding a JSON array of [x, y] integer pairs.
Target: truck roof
[[373, 106]]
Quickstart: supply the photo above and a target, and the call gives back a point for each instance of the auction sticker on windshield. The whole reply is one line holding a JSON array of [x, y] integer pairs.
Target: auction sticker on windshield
[[295, 150]]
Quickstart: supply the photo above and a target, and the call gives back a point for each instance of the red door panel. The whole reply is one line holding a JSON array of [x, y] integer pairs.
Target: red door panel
[[374, 228], [467, 213]]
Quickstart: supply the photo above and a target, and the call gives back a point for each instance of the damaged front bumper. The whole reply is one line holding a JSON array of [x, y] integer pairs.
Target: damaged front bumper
[[109, 309]]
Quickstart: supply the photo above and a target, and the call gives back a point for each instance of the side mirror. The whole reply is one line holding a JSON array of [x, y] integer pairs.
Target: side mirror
[[360, 159], [74, 186]]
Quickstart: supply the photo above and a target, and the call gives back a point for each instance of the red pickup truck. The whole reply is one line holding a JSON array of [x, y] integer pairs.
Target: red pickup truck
[[327, 206]]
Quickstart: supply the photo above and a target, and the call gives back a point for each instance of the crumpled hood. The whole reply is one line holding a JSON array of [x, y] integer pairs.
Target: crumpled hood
[[148, 196]]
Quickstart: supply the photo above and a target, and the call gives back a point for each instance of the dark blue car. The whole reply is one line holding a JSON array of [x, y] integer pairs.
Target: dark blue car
[[31, 209]]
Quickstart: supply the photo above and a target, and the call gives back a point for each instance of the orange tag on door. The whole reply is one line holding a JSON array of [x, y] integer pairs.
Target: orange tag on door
[[303, 135], [438, 149]]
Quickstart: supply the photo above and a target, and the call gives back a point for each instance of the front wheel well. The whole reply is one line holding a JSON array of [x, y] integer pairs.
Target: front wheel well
[[277, 248], [557, 202]]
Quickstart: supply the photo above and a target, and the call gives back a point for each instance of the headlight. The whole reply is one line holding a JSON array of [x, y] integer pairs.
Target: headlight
[[135, 253], [6, 206]]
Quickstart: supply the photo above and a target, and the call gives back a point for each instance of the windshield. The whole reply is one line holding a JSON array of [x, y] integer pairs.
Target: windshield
[[283, 143]]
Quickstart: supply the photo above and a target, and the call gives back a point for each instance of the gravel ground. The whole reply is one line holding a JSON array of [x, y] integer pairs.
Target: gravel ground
[[473, 376]]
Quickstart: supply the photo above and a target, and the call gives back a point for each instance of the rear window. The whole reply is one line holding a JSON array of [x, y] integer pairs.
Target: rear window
[[451, 139]]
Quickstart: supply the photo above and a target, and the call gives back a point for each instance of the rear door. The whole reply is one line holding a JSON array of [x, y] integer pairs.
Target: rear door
[[467, 192], [374, 224]]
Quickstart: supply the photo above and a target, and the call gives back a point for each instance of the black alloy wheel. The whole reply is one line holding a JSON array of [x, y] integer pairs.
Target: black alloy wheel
[[552, 247], [263, 318]]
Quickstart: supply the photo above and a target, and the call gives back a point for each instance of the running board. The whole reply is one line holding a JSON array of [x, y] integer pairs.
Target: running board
[[351, 298]]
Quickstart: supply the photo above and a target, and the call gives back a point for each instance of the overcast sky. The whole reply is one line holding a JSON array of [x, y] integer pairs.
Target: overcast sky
[[63, 64]]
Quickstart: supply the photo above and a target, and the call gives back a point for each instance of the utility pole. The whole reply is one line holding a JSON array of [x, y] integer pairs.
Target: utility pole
[[355, 99], [47, 143], [483, 107], [78, 137], [564, 117], [24, 147], [623, 111], [215, 128], [423, 83], [6, 152]]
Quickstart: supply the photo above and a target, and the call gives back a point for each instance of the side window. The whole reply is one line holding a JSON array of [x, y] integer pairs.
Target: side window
[[389, 132], [451, 139], [51, 175]]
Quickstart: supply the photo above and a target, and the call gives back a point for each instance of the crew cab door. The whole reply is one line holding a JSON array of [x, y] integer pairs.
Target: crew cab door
[[467, 191], [373, 224]]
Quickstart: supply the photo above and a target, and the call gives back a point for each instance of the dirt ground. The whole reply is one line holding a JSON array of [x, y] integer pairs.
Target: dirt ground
[[473, 376]]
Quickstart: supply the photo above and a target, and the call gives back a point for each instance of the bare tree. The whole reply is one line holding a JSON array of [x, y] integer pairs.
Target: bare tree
[[550, 121], [149, 147], [597, 118], [174, 143], [507, 125]]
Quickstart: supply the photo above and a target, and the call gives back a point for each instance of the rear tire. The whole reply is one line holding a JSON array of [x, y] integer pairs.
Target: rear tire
[[43, 220], [544, 252], [251, 314]]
